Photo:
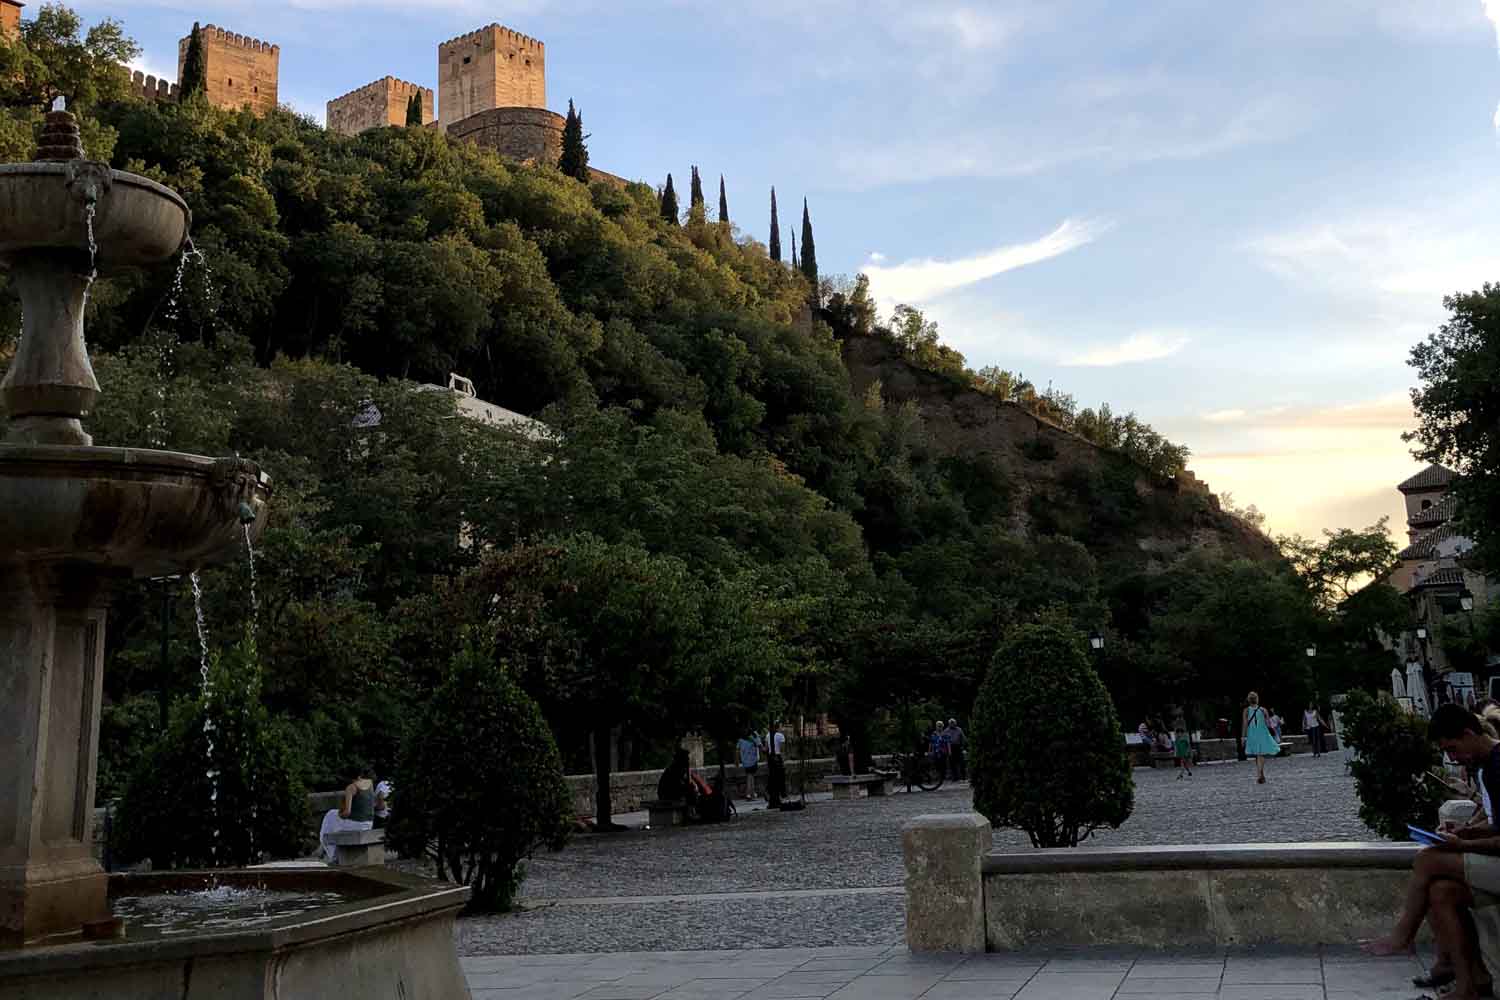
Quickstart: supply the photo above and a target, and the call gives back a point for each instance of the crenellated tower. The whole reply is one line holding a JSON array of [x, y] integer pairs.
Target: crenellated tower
[[376, 105], [493, 67], [10, 18], [241, 71]]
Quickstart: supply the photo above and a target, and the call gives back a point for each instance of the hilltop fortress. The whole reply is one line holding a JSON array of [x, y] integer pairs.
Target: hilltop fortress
[[492, 90]]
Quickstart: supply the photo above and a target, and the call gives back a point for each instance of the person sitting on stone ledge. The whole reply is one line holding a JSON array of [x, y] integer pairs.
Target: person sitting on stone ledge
[[676, 783], [1446, 877]]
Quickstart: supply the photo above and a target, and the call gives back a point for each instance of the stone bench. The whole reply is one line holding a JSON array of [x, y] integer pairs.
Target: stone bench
[[858, 786], [963, 896], [666, 813], [357, 848]]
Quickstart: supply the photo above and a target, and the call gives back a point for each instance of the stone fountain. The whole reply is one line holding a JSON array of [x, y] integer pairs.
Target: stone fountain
[[75, 521]]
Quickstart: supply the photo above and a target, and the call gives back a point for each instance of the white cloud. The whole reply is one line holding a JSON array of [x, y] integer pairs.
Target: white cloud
[[1133, 349], [1225, 416], [915, 281]]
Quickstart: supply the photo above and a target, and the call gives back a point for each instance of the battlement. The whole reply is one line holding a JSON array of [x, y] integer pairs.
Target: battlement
[[151, 89], [243, 41], [378, 104], [496, 30], [386, 84]]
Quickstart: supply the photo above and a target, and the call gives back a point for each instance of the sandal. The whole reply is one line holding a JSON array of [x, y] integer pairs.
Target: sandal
[[1434, 979]]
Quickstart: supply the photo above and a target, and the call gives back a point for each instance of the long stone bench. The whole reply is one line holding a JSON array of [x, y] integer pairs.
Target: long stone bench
[[963, 896], [358, 848], [858, 786]]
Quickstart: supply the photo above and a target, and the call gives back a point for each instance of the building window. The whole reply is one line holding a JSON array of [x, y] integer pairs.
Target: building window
[[1426, 504]]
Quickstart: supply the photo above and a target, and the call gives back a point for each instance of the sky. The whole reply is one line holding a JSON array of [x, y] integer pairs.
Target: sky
[[1234, 219]]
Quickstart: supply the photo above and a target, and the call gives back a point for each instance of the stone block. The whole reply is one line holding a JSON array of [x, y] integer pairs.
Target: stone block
[[358, 848], [665, 814], [945, 908]]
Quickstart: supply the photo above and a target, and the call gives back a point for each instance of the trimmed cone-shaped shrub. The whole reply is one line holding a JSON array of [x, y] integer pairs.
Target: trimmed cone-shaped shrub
[[1392, 752], [221, 786], [1046, 752], [479, 786]]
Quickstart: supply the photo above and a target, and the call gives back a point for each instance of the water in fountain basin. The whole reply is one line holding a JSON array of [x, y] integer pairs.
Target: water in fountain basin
[[222, 908]]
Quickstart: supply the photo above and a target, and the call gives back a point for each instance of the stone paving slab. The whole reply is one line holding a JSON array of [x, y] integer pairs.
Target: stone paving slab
[[863, 973]]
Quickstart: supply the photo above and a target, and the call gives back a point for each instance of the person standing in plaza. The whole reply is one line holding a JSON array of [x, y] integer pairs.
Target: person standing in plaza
[[1258, 740], [955, 735], [776, 778], [1182, 750], [749, 750], [1312, 725]]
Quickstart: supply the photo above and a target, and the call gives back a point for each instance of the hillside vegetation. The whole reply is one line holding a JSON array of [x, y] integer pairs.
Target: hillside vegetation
[[810, 515]]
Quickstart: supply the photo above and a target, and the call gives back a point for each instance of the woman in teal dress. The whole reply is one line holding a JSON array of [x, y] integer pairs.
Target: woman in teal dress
[[1259, 743]]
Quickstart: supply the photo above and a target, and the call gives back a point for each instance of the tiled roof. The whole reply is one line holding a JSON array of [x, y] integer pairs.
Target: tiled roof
[[1439, 512], [1448, 576], [1426, 544], [1434, 477]]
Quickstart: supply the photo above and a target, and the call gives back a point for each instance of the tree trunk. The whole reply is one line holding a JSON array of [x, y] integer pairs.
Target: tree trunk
[[602, 805]]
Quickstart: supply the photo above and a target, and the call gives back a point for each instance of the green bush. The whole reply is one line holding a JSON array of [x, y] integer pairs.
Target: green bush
[[479, 783], [224, 740], [1391, 753], [1046, 754], [126, 732]]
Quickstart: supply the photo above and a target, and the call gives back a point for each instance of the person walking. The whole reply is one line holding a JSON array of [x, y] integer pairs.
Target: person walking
[[955, 750], [1312, 725], [749, 750], [1258, 740], [1182, 749]]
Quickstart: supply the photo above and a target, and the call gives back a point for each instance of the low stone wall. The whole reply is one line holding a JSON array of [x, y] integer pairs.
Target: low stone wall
[[1143, 897], [628, 789]]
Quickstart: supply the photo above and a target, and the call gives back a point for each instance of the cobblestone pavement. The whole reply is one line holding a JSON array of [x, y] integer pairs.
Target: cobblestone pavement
[[853, 973], [772, 880]]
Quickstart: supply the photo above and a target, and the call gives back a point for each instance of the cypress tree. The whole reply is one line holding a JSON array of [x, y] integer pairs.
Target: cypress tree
[[696, 194], [795, 265], [194, 82], [575, 154], [775, 230], [669, 203], [809, 253], [723, 202], [414, 110]]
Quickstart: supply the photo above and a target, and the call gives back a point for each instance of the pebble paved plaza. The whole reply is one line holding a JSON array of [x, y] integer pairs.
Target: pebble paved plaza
[[810, 904]]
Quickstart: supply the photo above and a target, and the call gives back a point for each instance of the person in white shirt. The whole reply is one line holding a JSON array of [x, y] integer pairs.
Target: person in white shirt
[[777, 777], [1312, 725]]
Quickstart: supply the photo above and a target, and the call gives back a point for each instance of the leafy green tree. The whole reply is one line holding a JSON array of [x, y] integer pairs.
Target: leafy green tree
[[809, 250], [194, 82], [1392, 757], [669, 210], [723, 202], [221, 786], [775, 244], [1335, 568], [414, 116], [574, 162], [480, 783], [1456, 402], [1046, 742]]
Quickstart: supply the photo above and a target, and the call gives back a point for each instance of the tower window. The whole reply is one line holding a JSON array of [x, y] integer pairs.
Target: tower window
[[229, 81], [468, 59]]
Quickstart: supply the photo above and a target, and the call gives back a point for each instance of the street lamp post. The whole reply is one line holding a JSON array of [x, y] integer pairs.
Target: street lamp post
[[1096, 641]]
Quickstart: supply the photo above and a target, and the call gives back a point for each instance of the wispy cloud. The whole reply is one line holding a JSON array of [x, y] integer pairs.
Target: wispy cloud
[[1133, 349], [915, 281], [1225, 416]]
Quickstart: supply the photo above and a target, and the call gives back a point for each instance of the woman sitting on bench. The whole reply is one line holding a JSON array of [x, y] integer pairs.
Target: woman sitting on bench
[[356, 812]]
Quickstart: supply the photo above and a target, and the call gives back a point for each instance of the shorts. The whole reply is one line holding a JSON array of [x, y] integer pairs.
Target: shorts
[[1482, 872]]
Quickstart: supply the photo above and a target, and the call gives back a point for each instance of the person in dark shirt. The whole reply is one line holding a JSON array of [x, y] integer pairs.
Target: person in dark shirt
[[1445, 877]]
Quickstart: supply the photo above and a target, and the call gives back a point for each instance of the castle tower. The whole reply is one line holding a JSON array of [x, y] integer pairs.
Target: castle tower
[[10, 18], [376, 105], [493, 67], [241, 71]]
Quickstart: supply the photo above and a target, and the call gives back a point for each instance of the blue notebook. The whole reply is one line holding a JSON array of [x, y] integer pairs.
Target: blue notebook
[[1422, 836]]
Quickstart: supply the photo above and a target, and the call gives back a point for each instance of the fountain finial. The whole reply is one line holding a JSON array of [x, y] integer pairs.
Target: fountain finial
[[60, 138]]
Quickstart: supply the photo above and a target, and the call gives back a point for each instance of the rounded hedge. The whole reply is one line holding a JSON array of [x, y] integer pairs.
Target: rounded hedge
[[221, 786], [1046, 754], [479, 783]]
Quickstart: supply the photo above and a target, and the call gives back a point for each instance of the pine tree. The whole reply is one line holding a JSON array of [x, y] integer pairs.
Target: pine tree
[[775, 230], [809, 253], [414, 110], [574, 161], [696, 194], [194, 82], [669, 202], [723, 202]]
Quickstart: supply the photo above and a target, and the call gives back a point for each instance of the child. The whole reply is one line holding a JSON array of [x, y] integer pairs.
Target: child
[[1183, 749]]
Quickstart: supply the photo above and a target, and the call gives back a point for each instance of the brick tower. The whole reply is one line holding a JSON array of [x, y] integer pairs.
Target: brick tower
[[493, 67], [376, 105], [241, 71], [10, 18]]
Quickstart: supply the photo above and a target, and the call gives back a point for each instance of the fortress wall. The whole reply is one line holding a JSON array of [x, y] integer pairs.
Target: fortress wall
[[149, 88], [242, 71], [526, 134], [376, 105]]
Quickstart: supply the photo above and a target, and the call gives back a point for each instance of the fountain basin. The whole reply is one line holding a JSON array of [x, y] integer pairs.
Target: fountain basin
[[136, 220], [391, 939], [125, 510]]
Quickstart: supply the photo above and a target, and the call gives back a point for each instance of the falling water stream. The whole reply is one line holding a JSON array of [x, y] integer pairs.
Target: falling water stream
[[208, 721]]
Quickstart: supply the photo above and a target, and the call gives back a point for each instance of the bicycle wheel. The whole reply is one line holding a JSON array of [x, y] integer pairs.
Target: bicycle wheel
[[929, 774]]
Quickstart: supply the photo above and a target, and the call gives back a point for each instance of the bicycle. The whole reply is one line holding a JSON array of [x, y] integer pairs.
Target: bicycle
[[918, 770]]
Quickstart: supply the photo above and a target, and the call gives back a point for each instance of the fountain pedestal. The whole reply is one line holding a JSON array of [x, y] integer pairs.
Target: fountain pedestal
[[51, 679]]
